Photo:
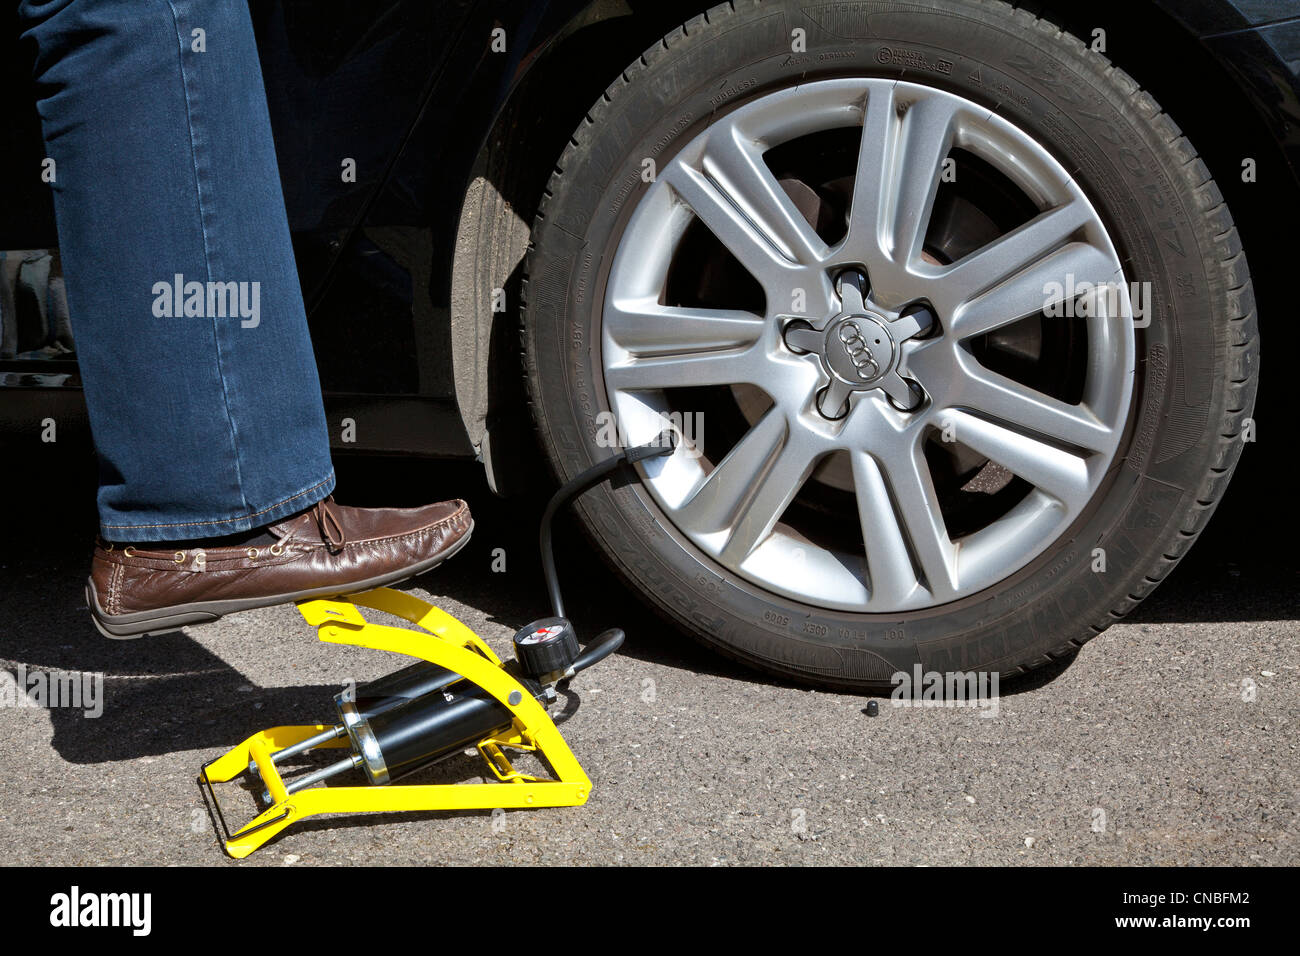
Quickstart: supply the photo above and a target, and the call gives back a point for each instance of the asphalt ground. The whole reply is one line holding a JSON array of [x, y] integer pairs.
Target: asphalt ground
[[1170, 739]]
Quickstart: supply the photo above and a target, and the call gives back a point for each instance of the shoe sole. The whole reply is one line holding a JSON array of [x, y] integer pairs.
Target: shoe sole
[[144, 623]]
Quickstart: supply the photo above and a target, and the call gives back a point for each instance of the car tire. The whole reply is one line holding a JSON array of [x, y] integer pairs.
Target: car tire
[[1188, 385]]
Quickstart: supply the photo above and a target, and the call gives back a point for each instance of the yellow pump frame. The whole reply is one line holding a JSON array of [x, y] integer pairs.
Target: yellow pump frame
[[447, 642]]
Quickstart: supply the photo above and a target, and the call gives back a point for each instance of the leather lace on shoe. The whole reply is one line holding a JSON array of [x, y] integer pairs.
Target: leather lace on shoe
[[327, 521]]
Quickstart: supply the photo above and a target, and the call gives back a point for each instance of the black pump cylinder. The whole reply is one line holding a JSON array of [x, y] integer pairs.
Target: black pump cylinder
[[398, 688], [420, 732]]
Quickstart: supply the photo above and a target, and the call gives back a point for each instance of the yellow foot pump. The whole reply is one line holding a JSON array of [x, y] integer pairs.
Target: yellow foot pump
[[458, 694]]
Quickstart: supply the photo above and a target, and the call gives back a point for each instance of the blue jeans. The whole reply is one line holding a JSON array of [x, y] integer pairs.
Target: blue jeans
[[191, 334]]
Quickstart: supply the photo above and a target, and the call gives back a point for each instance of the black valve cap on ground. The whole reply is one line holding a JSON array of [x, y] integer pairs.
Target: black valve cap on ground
[[546, 646]]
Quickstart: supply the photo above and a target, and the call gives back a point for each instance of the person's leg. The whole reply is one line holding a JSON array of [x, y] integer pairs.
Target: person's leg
[[190, 330], [181, 283]]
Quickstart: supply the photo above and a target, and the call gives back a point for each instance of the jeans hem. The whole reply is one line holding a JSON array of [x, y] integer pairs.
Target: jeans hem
[[186, 530]]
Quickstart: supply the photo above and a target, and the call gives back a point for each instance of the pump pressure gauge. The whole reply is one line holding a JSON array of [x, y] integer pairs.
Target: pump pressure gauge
[[546, 647]]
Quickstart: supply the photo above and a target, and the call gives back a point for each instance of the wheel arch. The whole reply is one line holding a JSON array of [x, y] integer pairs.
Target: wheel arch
[[505, 184]]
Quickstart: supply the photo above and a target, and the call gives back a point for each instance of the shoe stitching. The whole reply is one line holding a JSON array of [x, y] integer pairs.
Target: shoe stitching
[[114, 588]]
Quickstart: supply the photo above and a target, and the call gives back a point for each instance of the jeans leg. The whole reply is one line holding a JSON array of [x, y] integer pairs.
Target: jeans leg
[[182, 289]]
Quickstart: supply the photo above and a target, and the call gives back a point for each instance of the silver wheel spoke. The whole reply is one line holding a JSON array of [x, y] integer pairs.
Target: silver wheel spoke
[[899, 166], [644, 327], [908, 474], [750, 247], [1010, 278], [736, 168], [732, 192], [889, 564], [687, 369], [1003, 398], [746, 494], [1059, 473]]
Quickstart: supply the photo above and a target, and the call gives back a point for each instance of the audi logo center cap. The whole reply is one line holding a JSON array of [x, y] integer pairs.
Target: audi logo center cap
[[859, 350]]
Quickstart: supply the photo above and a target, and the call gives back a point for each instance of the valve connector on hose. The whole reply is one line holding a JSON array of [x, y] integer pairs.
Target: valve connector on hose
[[546, 649]]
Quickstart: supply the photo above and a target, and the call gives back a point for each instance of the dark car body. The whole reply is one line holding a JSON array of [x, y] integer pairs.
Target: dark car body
[[455, 113]]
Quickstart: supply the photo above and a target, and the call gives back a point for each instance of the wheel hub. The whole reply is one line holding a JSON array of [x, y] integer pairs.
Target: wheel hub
[[860, 348]]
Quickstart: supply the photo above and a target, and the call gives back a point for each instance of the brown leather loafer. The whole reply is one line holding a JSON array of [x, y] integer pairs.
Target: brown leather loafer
[[328, 550]]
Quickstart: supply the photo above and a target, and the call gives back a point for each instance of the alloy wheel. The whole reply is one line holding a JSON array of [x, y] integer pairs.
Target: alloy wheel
[[868, 361]]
